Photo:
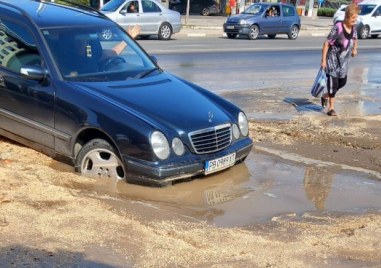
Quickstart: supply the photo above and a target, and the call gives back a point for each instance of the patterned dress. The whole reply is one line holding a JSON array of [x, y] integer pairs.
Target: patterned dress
[[340, 50]]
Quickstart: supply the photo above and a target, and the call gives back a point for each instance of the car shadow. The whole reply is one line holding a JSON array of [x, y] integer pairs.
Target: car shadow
[[261, 37], [303, 104]]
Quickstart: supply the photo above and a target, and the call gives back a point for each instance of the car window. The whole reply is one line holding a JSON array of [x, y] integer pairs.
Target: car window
[[113, 5], [273, 11], [255, 9], [17, 46], [377, 12], [132, 7], [150, 6], [288, 11], [96, 53], [366, 9]]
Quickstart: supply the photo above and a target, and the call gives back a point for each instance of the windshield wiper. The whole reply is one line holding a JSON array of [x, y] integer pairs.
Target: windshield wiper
[[145, 73]]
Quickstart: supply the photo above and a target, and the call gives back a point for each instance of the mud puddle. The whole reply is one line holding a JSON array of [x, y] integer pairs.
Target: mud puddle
[[265, 186]]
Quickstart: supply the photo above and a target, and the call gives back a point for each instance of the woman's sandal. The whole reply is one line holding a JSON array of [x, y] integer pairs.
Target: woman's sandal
[[332, 113]]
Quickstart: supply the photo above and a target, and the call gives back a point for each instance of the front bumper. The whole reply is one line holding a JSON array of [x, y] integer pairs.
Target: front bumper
[[155, 174], [236, 29]]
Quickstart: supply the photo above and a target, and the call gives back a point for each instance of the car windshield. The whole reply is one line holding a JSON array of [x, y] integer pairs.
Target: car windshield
[[97, 54], [113, 5], [366, 9], [255, 9]]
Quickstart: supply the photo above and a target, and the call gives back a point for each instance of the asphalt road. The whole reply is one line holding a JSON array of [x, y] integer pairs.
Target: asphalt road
[[183, 44]]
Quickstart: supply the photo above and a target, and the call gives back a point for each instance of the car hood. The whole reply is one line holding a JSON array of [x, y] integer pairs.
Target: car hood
[[163, 101], [242, 16]]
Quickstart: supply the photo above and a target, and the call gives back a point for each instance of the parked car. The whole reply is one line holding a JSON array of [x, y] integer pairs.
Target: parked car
[[369, 19], [339, 14], [203, 7], [264, 18], [83, 91], [153, 17]]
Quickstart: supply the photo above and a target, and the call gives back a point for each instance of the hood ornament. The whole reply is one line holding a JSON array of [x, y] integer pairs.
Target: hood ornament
[[210, 116]]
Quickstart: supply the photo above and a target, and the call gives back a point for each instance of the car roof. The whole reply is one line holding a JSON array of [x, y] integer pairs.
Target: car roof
[[48, 14]]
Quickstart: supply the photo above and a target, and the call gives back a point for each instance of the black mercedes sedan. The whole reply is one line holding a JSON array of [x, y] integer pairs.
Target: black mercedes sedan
[[76, 86]]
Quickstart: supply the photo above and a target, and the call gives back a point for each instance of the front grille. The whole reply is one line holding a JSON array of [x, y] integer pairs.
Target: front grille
[[211, 140]]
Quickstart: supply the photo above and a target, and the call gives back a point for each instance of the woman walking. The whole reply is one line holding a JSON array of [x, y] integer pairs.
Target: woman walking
[[340, 46]]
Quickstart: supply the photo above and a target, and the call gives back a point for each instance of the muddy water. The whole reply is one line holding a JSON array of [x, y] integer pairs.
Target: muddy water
[[263, 187]]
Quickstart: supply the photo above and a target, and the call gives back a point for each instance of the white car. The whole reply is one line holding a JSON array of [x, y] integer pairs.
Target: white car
[[339, 14], [369, 19], [152, 16]]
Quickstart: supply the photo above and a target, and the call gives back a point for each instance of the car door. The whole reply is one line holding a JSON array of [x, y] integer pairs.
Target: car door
[[26, 105], [151, 16], [288, 18], [376, 21], [271, 24]]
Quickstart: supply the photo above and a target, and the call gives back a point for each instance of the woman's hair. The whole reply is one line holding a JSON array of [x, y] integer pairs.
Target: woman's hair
[[350, 10]]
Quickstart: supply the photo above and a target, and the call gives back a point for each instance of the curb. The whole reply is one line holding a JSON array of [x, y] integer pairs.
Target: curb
[[208, 31]]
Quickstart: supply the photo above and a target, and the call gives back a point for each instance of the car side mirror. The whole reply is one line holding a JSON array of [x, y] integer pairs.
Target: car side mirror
[[33, 72], [123, 11]]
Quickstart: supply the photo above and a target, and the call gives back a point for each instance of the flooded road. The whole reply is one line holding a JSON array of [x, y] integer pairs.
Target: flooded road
[[265, 186]]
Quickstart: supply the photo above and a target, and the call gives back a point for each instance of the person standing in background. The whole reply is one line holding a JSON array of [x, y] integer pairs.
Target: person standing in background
[[340, 46], [232, 4]]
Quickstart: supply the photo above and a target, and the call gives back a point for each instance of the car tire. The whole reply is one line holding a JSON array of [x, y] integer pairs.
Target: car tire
[[363, 33], [271, 36], [374, 36], [294, 32], [205, 12], [98, 159], [231, 36], [165, 31], [253, 32]]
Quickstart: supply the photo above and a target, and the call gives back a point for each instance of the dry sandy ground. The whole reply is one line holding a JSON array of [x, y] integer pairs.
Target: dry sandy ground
[[43, 222]]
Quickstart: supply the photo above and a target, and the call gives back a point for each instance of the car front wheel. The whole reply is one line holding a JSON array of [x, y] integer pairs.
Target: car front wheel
[[294, 32], [253, 32], [165, 31], [98, 159], [364, 32], [205, 12]]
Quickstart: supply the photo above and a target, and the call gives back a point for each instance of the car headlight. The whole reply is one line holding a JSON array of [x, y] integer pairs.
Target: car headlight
[[243, 124], [177, 146], [235, 131], [159, 145], [243, 22]]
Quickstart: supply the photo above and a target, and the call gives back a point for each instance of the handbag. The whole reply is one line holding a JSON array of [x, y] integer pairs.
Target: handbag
[[319, 84]]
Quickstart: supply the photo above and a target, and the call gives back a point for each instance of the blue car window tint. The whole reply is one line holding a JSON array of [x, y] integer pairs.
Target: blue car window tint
[[366, 9], [17, 47], [96, 54], [149, 6]]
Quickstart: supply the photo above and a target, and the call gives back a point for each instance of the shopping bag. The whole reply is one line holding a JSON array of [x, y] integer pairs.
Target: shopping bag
[[319, 84]]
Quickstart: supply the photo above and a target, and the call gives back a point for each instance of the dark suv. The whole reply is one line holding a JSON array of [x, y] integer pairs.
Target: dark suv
[[203, 7], [81, 90]]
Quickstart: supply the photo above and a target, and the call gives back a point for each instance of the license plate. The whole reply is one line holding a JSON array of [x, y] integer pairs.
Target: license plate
[[230, 27], [219, 163]]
